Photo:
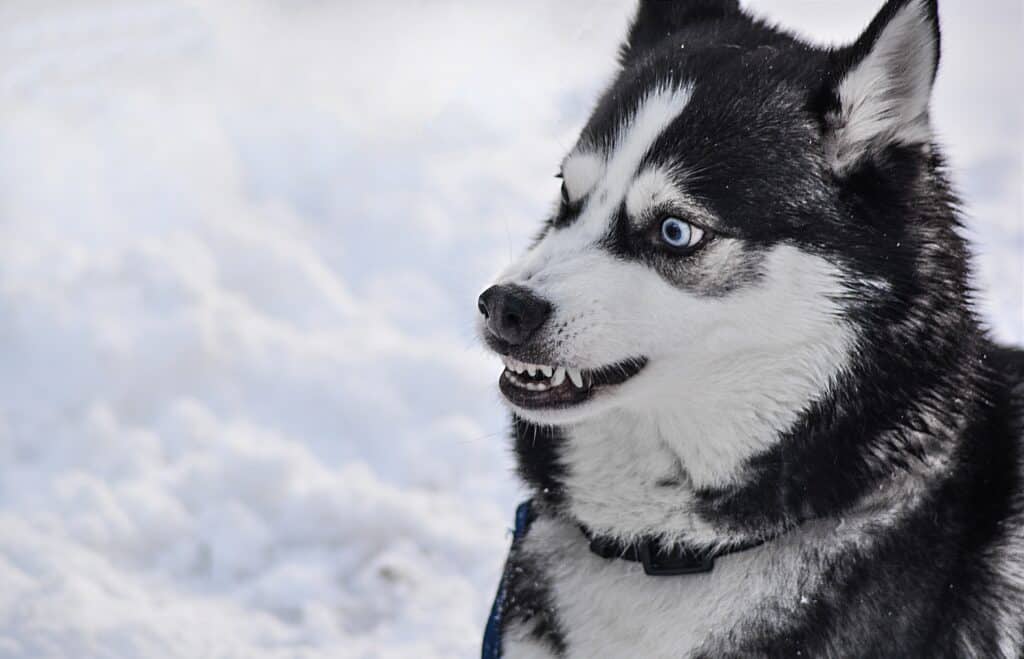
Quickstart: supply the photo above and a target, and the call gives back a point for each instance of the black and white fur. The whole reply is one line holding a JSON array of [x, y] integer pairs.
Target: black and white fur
[[813, 376]]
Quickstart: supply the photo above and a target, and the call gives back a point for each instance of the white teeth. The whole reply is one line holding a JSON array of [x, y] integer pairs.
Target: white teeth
[[556, 374]]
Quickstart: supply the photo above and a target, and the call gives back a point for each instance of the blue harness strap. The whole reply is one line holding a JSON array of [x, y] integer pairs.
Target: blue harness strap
[[492, 634]]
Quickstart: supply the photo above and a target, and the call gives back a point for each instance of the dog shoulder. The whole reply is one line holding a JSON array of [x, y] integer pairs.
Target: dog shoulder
[[998, 604]]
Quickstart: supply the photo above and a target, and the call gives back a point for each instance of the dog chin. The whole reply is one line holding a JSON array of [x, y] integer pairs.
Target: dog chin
[[564, 416]]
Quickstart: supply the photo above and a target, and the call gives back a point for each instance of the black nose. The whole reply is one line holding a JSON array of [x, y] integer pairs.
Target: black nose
[[512, 312]]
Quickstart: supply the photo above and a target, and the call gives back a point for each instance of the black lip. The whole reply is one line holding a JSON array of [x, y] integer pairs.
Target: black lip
[[567, 394]]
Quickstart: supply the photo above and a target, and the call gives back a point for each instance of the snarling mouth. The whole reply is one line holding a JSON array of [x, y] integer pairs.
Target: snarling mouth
[[536, 386]]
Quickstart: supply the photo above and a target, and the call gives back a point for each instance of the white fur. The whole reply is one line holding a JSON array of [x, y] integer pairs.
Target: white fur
[[652, 187], [581, 171], [723, 369], [884, 98], [656, 187], [725, 376], [518, 644], [610, 608]]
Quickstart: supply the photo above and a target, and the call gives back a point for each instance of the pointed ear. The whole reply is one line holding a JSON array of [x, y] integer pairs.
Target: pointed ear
[[657, 19], [882, 84]]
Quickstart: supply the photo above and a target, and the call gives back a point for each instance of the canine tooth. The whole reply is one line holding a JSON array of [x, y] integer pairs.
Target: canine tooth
[[576, 377], [559, 376], [547, 371], [531, 369]]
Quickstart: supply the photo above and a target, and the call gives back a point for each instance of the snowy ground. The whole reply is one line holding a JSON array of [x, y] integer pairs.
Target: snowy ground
[[241, 409]]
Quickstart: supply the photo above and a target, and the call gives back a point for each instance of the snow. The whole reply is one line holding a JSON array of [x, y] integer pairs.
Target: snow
[[242, 411]]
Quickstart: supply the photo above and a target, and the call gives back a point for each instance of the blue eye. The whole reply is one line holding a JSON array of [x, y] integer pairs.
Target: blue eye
[[678, 233]]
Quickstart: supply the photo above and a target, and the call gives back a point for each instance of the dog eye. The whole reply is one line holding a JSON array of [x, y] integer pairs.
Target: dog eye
[[565, 194], [680, 234]]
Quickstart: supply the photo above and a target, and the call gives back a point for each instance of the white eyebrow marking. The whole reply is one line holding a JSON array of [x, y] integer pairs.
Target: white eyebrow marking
[[655, 186], [655, 112], [652, 187], [581, 171], [633, 139]]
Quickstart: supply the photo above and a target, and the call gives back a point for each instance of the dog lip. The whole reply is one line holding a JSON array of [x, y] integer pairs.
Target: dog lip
[[543, 393]]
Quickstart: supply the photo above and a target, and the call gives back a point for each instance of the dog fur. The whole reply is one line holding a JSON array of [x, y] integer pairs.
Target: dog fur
[[814, 377]]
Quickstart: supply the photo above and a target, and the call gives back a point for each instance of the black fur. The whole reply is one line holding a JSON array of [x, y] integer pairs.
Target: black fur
[[926, 380], [656, 21], [528, 600], [537, 449]]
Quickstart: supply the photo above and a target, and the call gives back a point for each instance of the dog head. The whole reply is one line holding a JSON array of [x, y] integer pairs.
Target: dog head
[[740, 207]]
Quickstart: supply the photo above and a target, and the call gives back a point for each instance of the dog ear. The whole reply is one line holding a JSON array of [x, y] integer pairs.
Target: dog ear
[[880, 86], [657, 19]]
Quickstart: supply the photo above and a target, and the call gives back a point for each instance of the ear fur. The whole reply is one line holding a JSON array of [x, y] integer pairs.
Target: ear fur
[[882, 84], [656, 20]]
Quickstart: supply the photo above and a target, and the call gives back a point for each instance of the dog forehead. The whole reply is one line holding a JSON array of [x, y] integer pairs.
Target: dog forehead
[[599, 175], [616, 151], [724, 136], [743, 140]]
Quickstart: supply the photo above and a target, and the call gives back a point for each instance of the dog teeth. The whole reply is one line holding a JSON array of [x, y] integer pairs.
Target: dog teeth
[[514, 365], [556, 375]]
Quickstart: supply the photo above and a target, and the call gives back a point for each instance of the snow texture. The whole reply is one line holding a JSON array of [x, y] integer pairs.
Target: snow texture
[[242, 411]]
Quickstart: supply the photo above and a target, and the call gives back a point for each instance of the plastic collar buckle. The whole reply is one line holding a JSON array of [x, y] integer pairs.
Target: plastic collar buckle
[[674, 565]]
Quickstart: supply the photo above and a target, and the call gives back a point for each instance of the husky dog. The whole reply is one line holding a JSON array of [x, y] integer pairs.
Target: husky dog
[[755, 407]]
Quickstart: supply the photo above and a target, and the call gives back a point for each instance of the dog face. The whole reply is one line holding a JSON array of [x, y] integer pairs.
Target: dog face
[[730, 218]]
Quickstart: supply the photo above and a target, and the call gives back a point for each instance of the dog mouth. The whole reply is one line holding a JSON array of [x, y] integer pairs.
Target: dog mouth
[[540, 386]]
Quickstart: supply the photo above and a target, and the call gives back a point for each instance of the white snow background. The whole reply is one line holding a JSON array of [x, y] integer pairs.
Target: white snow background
[[242, 410]]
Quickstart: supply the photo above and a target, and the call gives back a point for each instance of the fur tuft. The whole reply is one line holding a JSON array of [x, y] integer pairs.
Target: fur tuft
[[885, 84]]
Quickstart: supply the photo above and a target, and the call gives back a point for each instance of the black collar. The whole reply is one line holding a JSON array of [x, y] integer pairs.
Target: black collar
[[659, 560]]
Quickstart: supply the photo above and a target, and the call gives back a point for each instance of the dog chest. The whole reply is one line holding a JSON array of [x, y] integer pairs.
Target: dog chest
[[610, 608]]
